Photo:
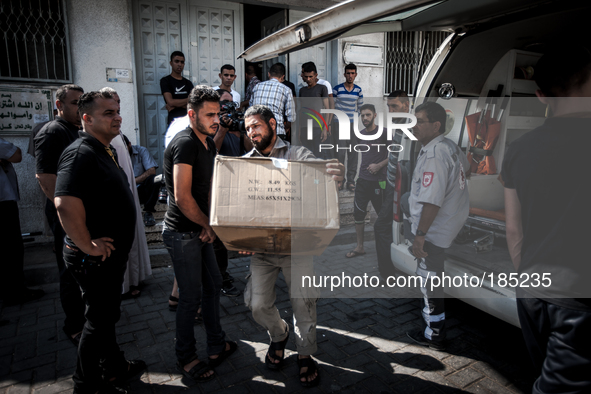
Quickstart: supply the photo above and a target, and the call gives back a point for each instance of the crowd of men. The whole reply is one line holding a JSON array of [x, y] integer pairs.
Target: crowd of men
[[79, 172]]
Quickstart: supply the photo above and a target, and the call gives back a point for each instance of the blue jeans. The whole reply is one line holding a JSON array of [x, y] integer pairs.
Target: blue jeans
[[196, 271]]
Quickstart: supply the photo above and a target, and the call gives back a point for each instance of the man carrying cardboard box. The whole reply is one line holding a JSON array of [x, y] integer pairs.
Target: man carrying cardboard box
[[264, 268]]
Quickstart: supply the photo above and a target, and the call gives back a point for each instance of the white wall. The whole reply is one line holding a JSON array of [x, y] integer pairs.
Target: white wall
[[370, 79], [100, 37]]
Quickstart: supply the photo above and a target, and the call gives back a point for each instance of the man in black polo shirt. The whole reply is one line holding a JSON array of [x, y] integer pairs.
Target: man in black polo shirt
[[188, 168], [50, 142], [547, 215], [100, 231], [175, 88]]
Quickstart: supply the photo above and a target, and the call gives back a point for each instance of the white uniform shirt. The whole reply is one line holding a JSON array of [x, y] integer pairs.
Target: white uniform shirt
[[177, 125], [439, 179]]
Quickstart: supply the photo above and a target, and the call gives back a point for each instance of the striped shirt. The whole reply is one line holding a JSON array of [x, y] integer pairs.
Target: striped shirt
[[278, 98], [346, 101]]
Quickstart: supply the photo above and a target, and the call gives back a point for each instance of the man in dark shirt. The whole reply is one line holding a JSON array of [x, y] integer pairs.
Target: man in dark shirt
[[317, 98], [176, 88], [547, 215], [99, 234], [397, 102], [372, 174], [188, 168], [50, 142]]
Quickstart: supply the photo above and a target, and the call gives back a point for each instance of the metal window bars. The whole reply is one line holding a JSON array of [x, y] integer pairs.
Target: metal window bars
[[34, 39], [403, 57]]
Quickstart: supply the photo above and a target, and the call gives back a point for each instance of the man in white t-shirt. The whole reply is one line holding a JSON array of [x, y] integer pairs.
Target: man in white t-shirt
[[228, 76]]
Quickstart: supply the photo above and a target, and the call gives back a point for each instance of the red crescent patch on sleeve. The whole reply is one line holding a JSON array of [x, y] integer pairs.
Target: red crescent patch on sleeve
[[427, 178]]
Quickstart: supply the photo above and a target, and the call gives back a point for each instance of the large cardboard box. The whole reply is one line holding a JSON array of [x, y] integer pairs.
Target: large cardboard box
[[274, 206]]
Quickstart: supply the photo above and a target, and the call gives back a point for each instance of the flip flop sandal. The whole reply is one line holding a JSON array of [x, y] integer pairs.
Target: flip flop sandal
[[312, 367], [354, 253], [134, 288], [272, 348], [198, 369], [173, 307], [214, 362]]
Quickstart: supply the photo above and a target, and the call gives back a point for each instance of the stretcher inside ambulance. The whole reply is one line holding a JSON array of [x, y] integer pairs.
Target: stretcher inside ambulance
[[485, 66]]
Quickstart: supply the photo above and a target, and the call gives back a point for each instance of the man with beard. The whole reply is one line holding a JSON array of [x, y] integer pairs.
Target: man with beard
[[259, 295], [372, 175], [188, 168], [397, 102]]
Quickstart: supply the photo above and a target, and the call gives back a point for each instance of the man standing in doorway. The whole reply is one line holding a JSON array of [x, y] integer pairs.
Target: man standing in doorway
[[228, 76], [251, 82], [176, 88], [438, 208], [316, 98], [397, 102], [188, 169], [348, 98], [275, 95], [372, 175], [51, 141]]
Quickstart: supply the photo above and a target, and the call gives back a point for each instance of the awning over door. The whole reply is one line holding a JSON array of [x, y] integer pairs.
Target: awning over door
[[370, 16]]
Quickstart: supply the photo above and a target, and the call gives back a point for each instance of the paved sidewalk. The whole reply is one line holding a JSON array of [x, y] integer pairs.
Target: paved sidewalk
[[362, 346]]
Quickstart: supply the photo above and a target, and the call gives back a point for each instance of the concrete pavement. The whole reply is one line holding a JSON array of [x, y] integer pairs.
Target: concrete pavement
[[362, 345]]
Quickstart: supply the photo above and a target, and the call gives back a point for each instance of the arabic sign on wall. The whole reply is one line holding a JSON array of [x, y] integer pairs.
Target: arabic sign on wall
[[22, 109]]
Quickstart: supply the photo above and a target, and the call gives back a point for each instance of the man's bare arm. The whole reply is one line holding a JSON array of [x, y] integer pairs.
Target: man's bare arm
[[72, 216], [47, 183], [145, 175], [183, 177], [514, 228], [177, 103]]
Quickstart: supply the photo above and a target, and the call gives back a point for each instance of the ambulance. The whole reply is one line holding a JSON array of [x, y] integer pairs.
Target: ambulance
[[482, 74]]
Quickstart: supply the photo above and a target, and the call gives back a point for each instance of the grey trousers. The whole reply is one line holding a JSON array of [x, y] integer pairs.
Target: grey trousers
[[260, 296]]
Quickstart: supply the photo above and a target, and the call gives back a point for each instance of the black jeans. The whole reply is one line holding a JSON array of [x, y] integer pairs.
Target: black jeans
[[11, 244], [366, 191], [557, 340], [148, 193], [195, 268], [383, 233], [70, 294], [221, 256], [101, 286]]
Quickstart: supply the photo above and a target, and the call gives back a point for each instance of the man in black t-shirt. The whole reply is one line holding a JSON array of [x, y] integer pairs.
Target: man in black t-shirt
[[188, 168], [99, 234], [175, 88], [50, 142], [547, 212]]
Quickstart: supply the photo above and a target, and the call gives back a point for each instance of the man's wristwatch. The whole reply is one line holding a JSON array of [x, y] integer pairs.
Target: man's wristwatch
[[420, 233]]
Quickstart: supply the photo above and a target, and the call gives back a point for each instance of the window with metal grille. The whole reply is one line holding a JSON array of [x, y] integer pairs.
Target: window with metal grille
[[34, 41], [403, 55]]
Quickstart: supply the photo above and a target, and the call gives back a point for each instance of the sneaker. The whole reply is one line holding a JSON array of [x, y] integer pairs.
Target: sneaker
[[163, 196], [229, 290], [149, 219], [418, 337]]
